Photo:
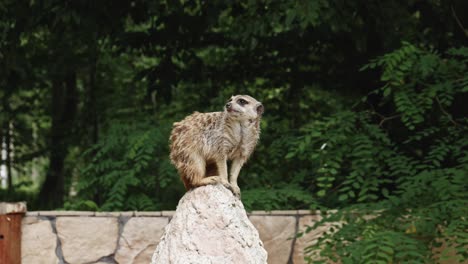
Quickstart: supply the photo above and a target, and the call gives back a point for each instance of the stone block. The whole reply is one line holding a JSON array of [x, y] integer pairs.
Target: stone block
[[33, 213], [284, 212], [276, 232], [107, 214], [87, 239], [38, 241], [66, 213], [309, 239], [260, 213], [154, 214], [127, 213], [447, 253], [168, 213], [12, 208], [139, 239]]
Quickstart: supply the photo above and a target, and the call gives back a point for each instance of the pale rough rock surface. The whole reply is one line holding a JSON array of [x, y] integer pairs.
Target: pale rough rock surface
[[38, 242], [87, 239], [276, 232], [137, 242], [210, 226]]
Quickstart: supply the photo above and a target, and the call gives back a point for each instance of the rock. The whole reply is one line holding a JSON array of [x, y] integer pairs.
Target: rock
[[276, 232], [38, 242], [210, 225], [137, 242], [87, 239]]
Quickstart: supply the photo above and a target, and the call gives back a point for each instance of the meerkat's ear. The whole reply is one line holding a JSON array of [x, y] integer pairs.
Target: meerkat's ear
[[260, 110]]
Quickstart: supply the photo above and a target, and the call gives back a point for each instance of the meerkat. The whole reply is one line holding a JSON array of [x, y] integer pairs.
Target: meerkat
[[202, 143]]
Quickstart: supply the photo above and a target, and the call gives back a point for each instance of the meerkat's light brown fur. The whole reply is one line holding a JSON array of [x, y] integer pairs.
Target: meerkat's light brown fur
[[202, 143]]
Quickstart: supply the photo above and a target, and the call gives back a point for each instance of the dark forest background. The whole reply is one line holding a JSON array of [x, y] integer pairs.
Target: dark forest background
[[366, 109]]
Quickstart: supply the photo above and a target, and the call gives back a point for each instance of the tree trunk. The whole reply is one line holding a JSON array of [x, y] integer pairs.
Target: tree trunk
[[93, 113], [1, 157], [92, 100], [5, 127], [8, 160], [64, 105]]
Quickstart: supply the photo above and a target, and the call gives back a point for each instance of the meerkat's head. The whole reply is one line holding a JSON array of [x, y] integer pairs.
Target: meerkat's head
[[244, 107]]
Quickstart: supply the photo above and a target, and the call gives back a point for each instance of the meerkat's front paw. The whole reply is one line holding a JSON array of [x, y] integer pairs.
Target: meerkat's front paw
[[236, 190], [227, 185], [212, 180]]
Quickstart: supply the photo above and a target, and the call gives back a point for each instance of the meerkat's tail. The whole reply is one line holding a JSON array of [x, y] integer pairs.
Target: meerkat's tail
[[187, 184], [196, 172], [191, 170]]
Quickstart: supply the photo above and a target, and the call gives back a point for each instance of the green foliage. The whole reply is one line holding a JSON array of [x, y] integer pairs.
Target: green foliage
[[278, 198], [122, 173], [400, 180]]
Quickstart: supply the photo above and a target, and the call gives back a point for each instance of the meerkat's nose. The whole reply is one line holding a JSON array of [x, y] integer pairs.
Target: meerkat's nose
[[228, 105]]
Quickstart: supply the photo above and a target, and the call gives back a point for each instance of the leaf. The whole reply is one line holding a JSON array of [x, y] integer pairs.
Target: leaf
[[387, 250], [385, 192], [290, 155], [343, 197]]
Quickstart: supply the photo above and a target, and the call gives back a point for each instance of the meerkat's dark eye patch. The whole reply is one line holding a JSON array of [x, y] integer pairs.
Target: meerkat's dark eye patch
[[242, 102]]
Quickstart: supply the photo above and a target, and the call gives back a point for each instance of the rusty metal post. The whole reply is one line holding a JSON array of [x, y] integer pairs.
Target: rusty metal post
[[11, 215]]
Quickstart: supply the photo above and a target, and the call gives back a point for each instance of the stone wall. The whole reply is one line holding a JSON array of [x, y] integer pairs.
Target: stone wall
[[131, 237]]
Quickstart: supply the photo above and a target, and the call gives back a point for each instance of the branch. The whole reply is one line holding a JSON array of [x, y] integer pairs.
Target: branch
[[459, 22], [385, 119], [445, 112]]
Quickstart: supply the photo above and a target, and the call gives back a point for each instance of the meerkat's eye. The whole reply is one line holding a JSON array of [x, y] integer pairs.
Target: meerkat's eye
[[242, 101]]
